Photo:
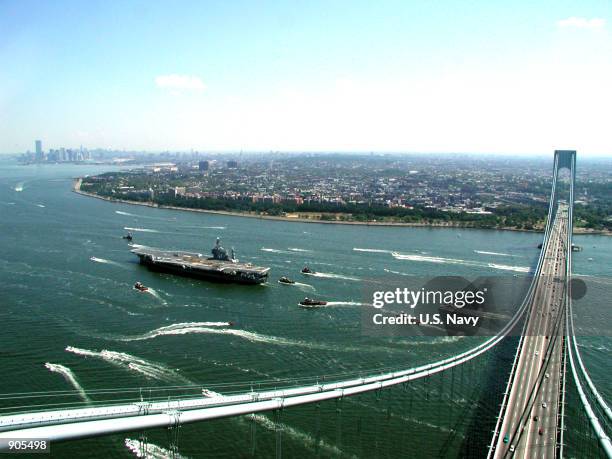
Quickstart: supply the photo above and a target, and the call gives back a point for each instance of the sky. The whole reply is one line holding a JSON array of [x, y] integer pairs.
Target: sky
[[479, 76]]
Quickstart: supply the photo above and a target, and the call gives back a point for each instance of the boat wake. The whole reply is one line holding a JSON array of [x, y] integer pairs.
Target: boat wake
[[210, 393], [156, 295], [42, 206], [357, 249], [305, 439], [484, 252], [68, 376], [105, 261], [303, 285], [346, 303], [180, 329], [332, 276], [295, 249], [219, 328], [519, 269], [127, 214], [300, 285], [409, 257], [266, 249], [456, 261], [140, 230], [149, 369], [149, 450], [399, 273]]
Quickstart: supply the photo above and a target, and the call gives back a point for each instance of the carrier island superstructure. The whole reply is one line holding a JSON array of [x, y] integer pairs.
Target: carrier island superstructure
[[221, 267]]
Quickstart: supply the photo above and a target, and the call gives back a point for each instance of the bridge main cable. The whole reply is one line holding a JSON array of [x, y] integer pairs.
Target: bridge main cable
[[573, 350]]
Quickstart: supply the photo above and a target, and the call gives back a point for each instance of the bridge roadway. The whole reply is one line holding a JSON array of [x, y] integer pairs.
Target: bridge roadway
[[530, 423]]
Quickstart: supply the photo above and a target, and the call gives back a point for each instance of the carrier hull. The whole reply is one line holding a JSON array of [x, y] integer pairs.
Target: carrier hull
[[195, 266]]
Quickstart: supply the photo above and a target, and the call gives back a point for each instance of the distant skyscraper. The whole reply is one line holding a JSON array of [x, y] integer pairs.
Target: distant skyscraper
[[203, 165], [39, 153], [232, 164]]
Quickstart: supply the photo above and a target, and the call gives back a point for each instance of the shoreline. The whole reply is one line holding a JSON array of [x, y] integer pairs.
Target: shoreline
[[77, 189]]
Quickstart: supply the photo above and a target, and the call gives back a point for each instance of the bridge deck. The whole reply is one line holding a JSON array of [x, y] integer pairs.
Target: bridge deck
[[529, 426]]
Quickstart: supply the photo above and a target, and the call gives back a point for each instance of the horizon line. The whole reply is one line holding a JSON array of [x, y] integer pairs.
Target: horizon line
[[358, 152]]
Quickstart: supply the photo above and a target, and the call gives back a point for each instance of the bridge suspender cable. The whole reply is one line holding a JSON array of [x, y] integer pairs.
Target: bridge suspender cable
[[604, 439]]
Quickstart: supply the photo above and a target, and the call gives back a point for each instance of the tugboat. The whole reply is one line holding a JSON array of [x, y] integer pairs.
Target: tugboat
[[128, 236], [307, 270], [310, 303], [286, 280], [141, 288]]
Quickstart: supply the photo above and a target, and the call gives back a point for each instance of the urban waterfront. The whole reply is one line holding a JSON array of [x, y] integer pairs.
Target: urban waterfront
[[66, 281]]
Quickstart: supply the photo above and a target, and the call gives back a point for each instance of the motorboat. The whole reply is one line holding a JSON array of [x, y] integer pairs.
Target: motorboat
[[140, 287], [285, 280], [310, 303]]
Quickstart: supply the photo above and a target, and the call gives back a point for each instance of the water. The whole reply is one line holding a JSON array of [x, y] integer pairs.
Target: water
[[72, 320]]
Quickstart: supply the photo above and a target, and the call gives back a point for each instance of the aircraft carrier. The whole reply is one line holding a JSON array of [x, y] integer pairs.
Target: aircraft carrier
[[221, 267]]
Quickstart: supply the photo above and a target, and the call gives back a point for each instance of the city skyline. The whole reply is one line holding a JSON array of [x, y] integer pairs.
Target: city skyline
[[397, 77], [29, 155]]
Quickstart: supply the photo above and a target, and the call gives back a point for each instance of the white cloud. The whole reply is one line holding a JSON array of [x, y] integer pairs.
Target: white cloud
[[582, 23], [175, 83]]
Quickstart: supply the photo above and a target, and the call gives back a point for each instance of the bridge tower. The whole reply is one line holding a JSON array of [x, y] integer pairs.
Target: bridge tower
[[564, 159]]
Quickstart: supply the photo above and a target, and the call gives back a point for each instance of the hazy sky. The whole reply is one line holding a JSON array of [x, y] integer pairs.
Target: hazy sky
[[472, 76]]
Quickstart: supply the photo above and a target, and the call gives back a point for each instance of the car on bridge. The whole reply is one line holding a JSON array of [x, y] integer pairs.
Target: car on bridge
[[506, 438]]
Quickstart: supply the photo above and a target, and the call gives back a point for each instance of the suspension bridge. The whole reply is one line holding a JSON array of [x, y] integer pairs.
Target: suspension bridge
[[544, 404]]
